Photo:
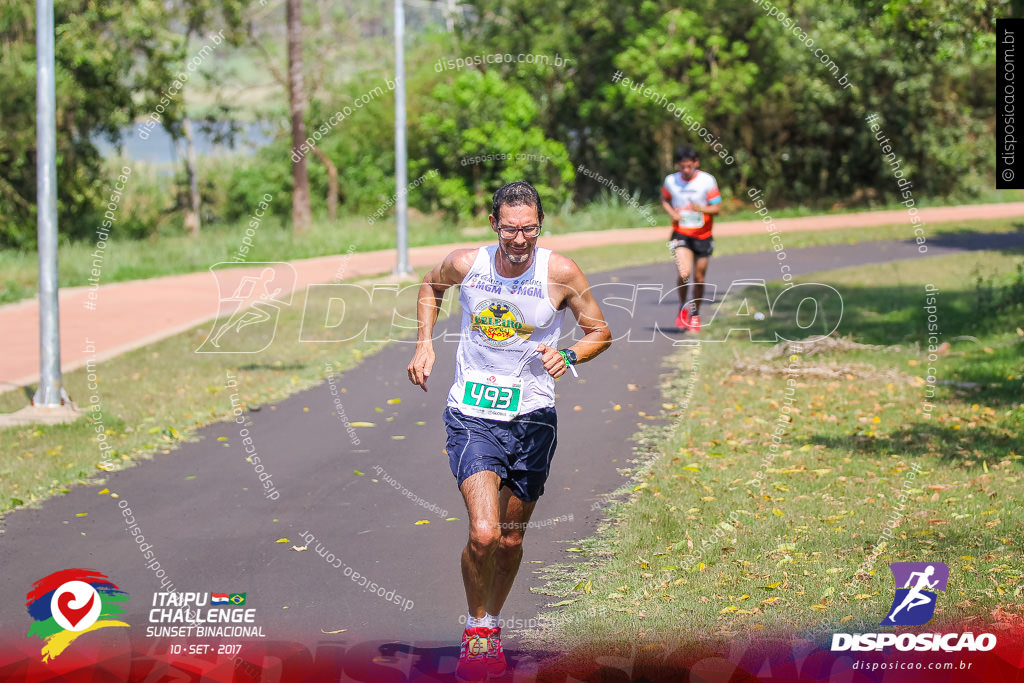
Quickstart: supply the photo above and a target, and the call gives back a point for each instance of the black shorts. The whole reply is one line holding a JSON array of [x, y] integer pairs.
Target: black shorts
[[700, 248], [519, 451]]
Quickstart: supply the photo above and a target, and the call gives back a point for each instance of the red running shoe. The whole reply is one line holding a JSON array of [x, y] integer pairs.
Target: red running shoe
[[695, 323], [473, 655], [683, 319]]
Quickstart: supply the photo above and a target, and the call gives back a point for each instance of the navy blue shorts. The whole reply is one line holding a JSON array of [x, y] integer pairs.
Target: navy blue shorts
[[519, 451]]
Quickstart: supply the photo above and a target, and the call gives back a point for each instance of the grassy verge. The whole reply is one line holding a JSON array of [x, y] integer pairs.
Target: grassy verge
[[125, 260], [698, 551]]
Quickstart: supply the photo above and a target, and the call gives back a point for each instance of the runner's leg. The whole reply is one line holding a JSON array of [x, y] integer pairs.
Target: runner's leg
[[684, 266], [515, 515], [700, 270], [480, 492]]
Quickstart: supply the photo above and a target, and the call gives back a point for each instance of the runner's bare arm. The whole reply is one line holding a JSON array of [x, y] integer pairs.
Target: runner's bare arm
[[669, 209], [570, 288], [709, 209], [450, 272]]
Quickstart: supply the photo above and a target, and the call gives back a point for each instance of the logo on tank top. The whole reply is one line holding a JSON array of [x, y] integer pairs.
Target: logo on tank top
[[500, 322]]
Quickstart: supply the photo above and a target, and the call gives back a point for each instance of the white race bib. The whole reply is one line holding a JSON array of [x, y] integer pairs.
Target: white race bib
[[495, 397], [691, 219]]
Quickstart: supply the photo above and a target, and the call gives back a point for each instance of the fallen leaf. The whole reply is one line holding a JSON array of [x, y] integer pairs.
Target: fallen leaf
[[82, 514], [104, 492], [777, 512], [358, 473], [451, 519], [331, 633], [394, 401], [361, 424], [299, 549], [423, 521], [282, 540]]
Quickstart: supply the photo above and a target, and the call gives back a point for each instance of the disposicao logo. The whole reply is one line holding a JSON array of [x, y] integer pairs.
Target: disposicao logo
[[914, 605], [916, 582], [68, 603]]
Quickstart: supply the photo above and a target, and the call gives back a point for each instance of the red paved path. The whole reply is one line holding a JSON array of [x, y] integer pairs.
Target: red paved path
[[132, 314]]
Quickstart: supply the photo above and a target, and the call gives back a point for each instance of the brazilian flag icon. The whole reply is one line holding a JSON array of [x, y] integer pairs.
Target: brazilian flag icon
[[237, 598]]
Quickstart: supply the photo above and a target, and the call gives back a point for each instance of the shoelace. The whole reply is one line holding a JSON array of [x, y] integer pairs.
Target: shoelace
[[494, 647], [471, 649]]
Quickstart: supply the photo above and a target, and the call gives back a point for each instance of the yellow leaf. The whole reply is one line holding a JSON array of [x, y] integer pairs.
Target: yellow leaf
[[104, 492], [331, 633], [861, 596], [707, 499], [423, 521], [777, 512], [806, 447], [588, 587], [82, 514], [451, 519], [692, 468], [397, 437], [730, 608], [770, 601], [616, 407], [219, 438], [394, 401], [845, 619], [772, 586], [361, 424], [818, 606], [420, 423], [282, 540]]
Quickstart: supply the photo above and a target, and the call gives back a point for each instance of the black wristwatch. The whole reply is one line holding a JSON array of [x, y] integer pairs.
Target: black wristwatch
[[570, 356]]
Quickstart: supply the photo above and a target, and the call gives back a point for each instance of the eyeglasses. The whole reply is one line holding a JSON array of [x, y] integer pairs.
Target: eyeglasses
[[529, 231]]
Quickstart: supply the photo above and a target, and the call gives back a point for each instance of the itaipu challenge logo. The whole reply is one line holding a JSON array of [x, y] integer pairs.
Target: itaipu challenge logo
[[68, 603], [500, 322]]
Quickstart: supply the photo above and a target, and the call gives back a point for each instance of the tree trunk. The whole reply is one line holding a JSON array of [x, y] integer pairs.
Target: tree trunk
[[192, 221], [301, 213], [332, 184]]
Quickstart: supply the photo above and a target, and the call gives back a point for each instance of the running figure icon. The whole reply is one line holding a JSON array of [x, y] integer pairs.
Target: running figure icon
[[915, 598]]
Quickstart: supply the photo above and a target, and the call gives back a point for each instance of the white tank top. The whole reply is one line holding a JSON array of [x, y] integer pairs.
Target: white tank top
[[498, 372]]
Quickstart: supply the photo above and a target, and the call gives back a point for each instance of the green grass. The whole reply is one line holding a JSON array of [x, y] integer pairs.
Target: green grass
[[695, 552]]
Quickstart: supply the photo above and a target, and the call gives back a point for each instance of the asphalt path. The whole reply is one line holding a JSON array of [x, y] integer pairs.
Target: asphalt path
[[212, 527]]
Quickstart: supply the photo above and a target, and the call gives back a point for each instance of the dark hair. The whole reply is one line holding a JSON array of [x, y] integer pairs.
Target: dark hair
[[685, 153], [519, 193]]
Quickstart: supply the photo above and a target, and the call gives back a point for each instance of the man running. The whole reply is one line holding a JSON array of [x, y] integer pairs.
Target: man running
[[691, 198], [500, 415]]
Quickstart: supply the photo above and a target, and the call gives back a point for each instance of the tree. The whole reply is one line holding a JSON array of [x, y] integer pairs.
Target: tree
[[301, 212]]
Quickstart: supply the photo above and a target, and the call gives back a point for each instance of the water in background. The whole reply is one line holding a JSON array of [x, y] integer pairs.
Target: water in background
[[160, 148]]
